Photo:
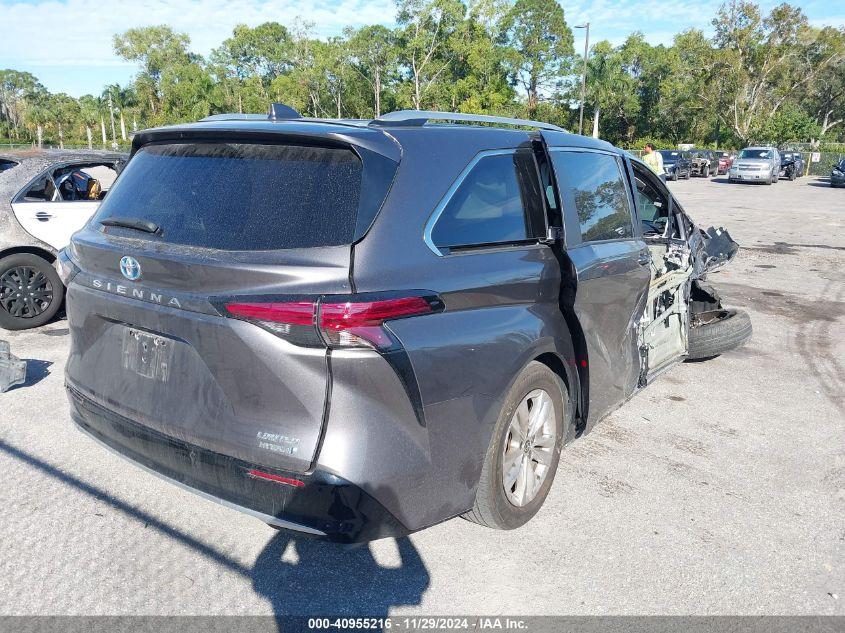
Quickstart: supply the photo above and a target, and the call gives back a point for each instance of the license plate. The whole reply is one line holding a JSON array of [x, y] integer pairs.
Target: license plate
[[147, 354]]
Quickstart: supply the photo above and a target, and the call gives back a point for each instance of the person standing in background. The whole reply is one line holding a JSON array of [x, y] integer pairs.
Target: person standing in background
[[654, 160]]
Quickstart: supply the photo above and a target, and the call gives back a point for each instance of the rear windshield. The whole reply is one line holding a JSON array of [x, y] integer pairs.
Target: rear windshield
[[235, 196], [670, 154]]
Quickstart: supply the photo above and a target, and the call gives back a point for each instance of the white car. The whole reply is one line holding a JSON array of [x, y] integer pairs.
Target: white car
[[45, 197]]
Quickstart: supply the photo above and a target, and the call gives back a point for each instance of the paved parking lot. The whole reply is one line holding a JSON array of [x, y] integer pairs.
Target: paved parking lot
[[718, 490]]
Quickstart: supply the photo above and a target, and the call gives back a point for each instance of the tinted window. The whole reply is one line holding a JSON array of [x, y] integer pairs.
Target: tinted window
[[487, 207], [597, 186], [241, 196]]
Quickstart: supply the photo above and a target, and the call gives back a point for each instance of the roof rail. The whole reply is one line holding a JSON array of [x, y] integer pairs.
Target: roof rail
[[418, 118]]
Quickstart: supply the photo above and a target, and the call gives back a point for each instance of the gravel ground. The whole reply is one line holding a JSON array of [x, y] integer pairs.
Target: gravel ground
[[720, 489]]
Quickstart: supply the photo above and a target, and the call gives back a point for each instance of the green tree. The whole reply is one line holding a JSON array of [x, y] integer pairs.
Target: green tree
[[789, 123], [156, 49], [540, 47], [374, 54], [426, 29], [248, 62], [65, 114], [17, 90], [766, 60], [90, 115], [610, 89]]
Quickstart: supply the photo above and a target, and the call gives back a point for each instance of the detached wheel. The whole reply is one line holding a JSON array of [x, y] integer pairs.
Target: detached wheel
[[718, 331], [30, 291], [524, 451]]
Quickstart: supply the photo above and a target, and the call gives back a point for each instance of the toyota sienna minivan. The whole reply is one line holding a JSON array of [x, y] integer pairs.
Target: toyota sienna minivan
[[358, 329]]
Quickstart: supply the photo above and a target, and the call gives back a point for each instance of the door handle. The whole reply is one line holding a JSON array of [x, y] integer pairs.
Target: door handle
[[644, 258]]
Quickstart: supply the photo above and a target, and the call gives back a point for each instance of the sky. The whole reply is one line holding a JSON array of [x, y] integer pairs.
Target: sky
[[67, 44]]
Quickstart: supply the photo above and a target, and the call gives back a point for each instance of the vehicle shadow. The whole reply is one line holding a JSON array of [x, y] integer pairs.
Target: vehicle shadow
[[328, 579], [325, 579]]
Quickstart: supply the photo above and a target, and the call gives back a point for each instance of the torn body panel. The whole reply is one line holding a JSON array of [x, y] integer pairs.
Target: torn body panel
[[664, 327], [713, 249]]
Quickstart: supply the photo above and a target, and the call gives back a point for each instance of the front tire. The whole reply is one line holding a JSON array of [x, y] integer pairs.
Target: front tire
[[524, 452], [31, 292], [718, 331]]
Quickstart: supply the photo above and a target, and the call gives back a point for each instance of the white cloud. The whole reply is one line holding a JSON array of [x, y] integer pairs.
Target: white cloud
[[79, 32]]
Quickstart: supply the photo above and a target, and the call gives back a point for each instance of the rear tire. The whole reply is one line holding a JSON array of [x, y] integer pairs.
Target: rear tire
[[34, 278], [720, 332], [495, 505]]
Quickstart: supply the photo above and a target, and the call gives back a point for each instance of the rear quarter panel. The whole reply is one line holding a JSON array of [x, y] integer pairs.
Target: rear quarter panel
[[502, 311]]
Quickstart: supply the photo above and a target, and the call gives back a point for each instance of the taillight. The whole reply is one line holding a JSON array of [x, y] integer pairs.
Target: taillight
[[343, 322], [292, 320]]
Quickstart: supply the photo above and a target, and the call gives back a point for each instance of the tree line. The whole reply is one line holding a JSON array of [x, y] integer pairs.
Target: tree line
[[757, 78]]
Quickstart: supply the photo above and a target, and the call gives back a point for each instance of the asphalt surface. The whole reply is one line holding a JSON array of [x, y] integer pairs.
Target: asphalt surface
[[720, 489]]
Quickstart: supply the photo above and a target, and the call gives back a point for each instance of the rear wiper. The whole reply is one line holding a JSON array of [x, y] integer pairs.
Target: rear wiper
[[133, 223]]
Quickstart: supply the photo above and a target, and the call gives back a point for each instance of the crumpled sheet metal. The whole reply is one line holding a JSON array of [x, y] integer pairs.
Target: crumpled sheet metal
[[12, 369]]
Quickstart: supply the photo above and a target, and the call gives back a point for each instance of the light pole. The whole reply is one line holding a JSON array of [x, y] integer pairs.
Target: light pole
[[585, 26]]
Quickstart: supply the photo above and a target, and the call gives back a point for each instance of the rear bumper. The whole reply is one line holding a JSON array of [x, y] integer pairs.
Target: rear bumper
[[323, 506]]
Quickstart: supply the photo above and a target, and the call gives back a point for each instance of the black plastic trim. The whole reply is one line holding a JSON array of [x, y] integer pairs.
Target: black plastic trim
[[325, 502]]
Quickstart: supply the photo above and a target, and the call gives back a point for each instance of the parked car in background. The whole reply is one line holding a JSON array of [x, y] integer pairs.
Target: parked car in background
[[791, 165], [704, 162], [726, 159], [45, 197], [837, 174], [503, 299], [756, 164], [677, 163]]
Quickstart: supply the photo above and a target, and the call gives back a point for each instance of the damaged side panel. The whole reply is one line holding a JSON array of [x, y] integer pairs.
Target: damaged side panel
[[664, 327], [713, 249]]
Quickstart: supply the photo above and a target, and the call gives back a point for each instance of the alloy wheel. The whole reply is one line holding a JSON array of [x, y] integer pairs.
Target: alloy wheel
[[529, 447], [25, 292]]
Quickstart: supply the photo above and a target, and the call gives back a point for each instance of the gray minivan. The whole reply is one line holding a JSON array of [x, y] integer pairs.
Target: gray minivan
[[356, 329]]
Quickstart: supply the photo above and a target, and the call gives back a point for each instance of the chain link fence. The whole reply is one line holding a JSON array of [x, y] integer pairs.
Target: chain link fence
[[120, 145]]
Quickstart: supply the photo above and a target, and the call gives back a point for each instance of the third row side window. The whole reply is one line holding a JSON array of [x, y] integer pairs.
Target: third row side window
[[596, 184], [487, 208]]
